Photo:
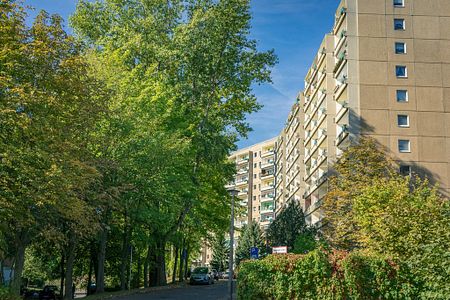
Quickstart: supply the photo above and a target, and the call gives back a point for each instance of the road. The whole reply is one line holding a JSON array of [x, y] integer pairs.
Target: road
[[217, 291]]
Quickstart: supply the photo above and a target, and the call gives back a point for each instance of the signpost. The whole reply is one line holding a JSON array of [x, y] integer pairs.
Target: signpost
[[279, 250], [254, 253]]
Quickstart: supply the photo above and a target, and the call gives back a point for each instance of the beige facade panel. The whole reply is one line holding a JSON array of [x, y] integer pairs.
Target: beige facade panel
[[373, 48], [436, 173], [446, 75], [375, 121], [432, 149], [444, 49], [399, 34], [393, 79], [447, 100], [444, 24], [374, 97], [409, 56], [411, 104], [427, 50], [444, 7], [376, 73], [428, 74], [430, 99], [426, 7], [412, 155], [372, 25], [396, 129], [426, 27], [371, 7]]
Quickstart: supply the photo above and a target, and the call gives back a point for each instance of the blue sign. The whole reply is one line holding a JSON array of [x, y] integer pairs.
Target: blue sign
[[254, 253]]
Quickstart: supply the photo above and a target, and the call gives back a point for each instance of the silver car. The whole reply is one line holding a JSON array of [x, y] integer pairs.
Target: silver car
[[201, 275]]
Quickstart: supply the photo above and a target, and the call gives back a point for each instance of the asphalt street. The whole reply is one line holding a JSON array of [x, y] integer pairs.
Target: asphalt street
[[217, 291]]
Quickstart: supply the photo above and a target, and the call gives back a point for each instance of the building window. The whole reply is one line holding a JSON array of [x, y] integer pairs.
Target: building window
[[403, 120], [405, 170], [255, 165], [254, 198], [400, 48], [254, 208], [402, 96], [254, 187], [399, 24], [399, 3], [404, 146], [401, 72]]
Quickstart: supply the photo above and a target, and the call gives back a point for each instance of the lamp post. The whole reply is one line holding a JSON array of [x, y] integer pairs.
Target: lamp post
[[233, 192]]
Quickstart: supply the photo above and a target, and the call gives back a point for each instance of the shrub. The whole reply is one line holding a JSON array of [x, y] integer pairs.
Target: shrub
[[6, 295], [324, 275]]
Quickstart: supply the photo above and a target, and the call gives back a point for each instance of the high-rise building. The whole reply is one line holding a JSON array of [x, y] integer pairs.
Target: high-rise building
[[255, 181], [383, 71]]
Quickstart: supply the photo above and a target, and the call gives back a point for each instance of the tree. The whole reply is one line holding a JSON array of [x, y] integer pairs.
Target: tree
[[181, 72], [49, 107], [220, 253], [359, 165], [287, 226], [406, 219], [251, 236]]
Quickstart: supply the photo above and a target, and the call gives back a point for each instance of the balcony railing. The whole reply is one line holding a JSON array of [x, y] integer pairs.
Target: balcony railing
[[267, 153]]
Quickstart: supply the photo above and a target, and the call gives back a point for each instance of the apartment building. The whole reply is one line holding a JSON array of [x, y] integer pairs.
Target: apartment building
[[255, 181], [383, 71]]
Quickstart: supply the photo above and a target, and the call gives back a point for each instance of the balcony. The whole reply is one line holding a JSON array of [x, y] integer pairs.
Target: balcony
[[267, 187], [242, 171], [243, 192], [266, 210], [268, 198], [268, 153], [267, 164], [241, 182], [342, 111], [265, 176], [342, 135], [242, 161]]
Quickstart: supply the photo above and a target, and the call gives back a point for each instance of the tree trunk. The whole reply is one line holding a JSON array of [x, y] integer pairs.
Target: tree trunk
[[88, 289], [180, 274], [124, 262], [137, 281], [174, 274], [63, 272], [100, 277], [69, 268], [161, 263], [19, 261], [186, 264], [146, 266]]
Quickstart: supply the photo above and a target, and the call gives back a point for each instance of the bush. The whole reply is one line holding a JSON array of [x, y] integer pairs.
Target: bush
[[6, 295], [324, 275]]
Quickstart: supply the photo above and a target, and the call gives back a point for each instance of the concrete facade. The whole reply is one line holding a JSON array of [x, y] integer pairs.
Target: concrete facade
[[255, 181]]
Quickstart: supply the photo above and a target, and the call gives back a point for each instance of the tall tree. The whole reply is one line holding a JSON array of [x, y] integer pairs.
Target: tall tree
[[406, 219], [356, 169], [220, 252], [251, 236], [287, 226], [49, 105], [182, 73]]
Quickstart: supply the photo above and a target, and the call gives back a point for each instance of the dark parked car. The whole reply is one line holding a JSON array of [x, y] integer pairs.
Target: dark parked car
[[215, 274], [48, 293], [201, 275]]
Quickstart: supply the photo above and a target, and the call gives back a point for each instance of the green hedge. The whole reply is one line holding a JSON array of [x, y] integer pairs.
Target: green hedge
[[324, 275], [5, 294]]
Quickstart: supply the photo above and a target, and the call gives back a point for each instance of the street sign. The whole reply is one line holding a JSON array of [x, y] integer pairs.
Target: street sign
[[254, 253], [279, 250]]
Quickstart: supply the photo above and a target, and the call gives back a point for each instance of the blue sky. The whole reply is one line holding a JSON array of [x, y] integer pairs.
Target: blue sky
[[294, 28]]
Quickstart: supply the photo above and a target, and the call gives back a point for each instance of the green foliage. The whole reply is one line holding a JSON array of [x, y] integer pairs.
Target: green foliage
[[287, 226], [359, 165], [251, 236], [324, 275], [5, 294], [306, 242], [406, 219], [220, 253]]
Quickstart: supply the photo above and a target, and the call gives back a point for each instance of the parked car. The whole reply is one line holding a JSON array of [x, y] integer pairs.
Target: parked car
[[48, 293], [201, 275], [226, 274], [215, 274]]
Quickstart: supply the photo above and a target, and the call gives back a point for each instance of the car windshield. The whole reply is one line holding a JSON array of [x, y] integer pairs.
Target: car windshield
[[200, 271]]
